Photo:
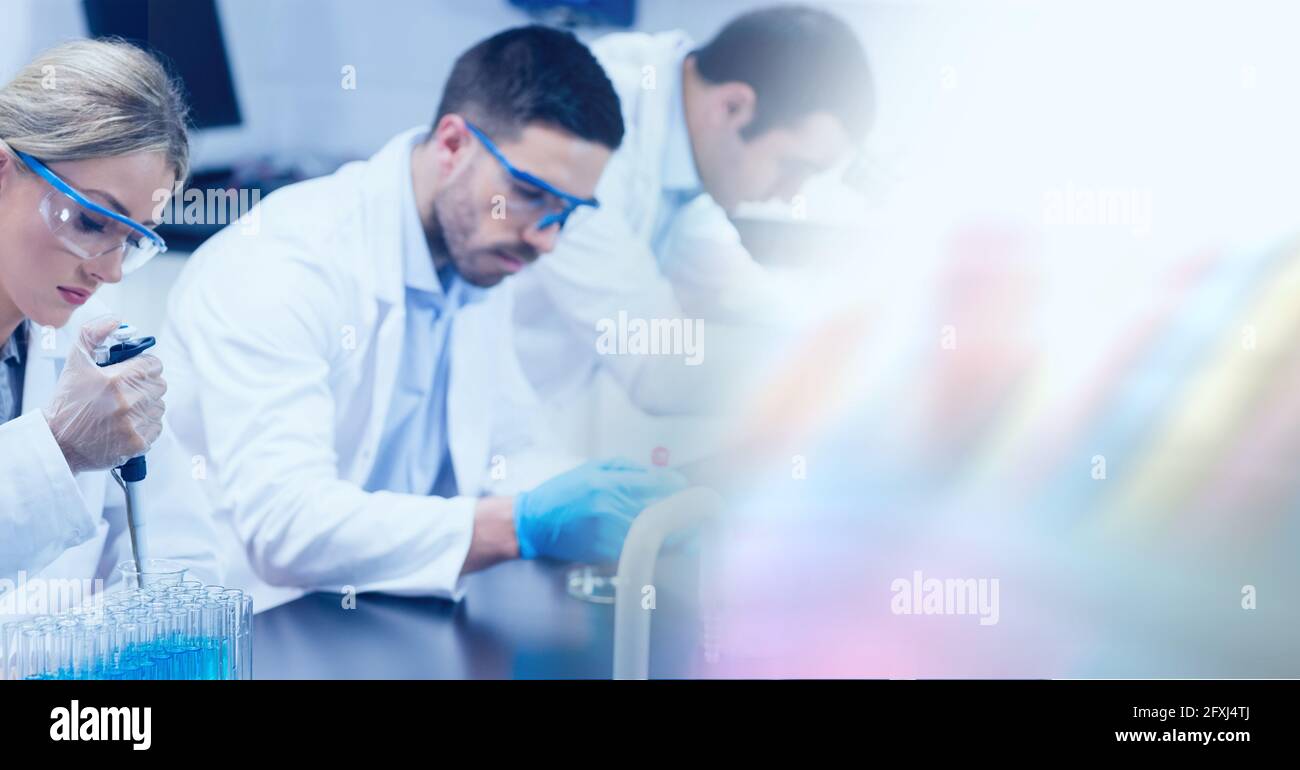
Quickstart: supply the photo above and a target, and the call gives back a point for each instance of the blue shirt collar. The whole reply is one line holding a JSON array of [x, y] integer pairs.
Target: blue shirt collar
[[14, 349]]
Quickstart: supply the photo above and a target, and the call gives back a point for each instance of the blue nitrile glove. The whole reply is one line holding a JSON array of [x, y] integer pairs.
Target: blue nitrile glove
[[584, 514]]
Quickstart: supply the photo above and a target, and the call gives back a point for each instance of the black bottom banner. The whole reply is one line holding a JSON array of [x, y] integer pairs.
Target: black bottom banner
[[1180, 718]]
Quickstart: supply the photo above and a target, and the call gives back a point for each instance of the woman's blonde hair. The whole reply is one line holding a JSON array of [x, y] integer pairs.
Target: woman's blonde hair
[[95, 99]]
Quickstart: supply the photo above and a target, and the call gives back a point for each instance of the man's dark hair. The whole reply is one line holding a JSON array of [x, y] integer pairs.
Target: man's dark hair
[[534, 74], [798, 60]]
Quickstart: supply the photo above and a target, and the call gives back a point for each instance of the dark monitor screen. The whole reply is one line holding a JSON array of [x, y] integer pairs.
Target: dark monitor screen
[[187, 34], [614, 13]]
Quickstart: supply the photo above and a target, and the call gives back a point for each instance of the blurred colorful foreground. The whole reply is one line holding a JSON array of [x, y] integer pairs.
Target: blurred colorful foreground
[[1127, 476]]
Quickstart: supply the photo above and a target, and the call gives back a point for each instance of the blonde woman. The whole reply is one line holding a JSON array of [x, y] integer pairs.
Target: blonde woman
[[88, 132]]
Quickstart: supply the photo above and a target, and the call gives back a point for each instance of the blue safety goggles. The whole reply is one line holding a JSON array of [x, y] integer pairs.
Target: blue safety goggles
[[551, 206], [88, 229]]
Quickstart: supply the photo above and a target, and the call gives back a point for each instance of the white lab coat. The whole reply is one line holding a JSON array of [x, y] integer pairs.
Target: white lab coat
[[604, 265], [54, 525], [288, 343]]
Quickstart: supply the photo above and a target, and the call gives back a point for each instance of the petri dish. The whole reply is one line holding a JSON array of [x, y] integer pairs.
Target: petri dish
[[596, 583]]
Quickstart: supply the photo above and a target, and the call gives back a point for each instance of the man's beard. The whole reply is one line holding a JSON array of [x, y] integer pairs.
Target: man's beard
[[452, 241], [449, 243]]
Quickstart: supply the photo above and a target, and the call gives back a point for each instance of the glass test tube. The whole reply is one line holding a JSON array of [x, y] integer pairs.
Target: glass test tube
[[214, 642], [10, 633], [243, 654]]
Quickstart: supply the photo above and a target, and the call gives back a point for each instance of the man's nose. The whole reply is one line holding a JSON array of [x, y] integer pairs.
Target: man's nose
[[543, 240], [791, 187]]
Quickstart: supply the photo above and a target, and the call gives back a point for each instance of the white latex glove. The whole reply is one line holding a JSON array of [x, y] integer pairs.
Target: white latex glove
[[103, 416]]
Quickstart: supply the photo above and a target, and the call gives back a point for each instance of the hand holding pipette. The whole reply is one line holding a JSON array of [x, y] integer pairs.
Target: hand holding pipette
[[105, 412], [122, 346], [108, 410]]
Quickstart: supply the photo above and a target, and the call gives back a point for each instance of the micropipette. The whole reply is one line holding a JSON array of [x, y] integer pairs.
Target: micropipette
[[119, 347]]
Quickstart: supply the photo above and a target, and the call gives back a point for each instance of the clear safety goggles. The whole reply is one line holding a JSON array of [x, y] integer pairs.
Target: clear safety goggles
[[533, 201], [88, 229]]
